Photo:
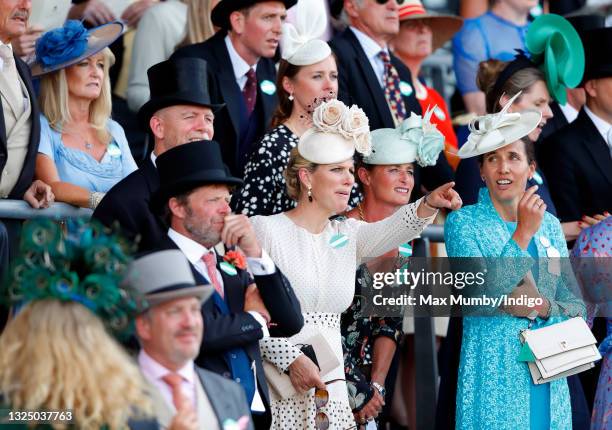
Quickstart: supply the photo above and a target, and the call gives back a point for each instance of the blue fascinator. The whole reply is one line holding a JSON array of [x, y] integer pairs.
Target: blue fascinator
[[67, 45], [415, 139]]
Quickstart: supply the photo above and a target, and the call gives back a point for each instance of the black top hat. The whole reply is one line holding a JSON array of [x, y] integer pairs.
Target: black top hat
[[186, 167], [583, 23], [178, 81], [221, 12], [598, 50]]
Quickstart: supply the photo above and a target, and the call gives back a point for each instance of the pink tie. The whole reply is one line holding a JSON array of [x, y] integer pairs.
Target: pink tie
[[174, 381], [211, 265]]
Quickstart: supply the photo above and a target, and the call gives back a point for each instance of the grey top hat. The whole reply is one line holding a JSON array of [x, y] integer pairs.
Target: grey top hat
[[162, 276]]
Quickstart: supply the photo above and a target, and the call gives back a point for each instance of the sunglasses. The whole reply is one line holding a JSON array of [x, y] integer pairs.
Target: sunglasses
[[321, 400], [399, 2]]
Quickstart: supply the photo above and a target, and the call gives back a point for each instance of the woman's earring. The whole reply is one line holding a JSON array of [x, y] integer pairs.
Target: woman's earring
[[310, 194], [483, 179], [290, 97]]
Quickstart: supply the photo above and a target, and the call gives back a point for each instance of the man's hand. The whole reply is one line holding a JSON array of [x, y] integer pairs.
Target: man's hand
[[24, 45], [238, 231], [185, 418], [134, 12], [253, 302], [94, 12], [304, 374], [39, 195], [371, 409]]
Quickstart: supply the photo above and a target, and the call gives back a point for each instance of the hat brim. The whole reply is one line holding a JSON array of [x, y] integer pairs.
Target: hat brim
[[530, 120], [201, 292], [150, 107], [167, 191], [98, 39], [221, 12], [443, 27]]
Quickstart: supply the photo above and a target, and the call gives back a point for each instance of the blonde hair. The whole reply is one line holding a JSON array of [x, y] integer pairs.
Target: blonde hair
[[54, 95], [199, 25], [291, 173], [58, 356]]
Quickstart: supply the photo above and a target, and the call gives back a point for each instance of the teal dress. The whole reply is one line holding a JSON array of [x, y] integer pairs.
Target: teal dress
[[495, 390]]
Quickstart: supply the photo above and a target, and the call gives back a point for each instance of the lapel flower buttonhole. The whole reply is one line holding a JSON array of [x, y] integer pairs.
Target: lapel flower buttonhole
[[236, 259]]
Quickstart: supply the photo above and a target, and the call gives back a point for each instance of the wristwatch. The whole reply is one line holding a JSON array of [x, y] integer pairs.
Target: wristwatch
[[381, 390]]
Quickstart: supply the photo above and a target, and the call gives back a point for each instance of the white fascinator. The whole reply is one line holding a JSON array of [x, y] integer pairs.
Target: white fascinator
[[300, 42]]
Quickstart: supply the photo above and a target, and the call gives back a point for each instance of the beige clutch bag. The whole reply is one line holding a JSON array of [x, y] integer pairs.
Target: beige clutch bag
[[280, 383]]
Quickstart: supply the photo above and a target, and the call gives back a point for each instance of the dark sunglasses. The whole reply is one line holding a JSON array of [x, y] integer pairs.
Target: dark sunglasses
[[399, 2]]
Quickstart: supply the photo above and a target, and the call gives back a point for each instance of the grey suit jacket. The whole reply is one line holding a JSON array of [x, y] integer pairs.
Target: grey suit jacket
[[226, 397]]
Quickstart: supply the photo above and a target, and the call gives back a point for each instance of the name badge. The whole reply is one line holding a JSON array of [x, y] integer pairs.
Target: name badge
[[538, 178], [338, 241], [267, 87], [405, 88], [405, 250], [114, 150], [439, 113], [228, 268]]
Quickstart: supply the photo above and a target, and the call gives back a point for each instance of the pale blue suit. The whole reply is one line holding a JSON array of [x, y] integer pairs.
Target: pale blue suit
[[494, 388]]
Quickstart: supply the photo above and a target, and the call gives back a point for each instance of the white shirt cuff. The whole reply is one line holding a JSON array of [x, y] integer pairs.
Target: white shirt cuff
[[261, 266], [262, 322]]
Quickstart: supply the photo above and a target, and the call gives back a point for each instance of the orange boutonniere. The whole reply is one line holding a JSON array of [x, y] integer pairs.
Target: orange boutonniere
[[236, 259]]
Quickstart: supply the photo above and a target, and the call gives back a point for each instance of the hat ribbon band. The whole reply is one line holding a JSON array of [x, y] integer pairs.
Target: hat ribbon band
[[412, 10]]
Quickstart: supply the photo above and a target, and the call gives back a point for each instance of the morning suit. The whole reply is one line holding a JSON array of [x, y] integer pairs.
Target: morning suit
[[236, 133], [22, 118], [358, 84], [239, 329], [127, 203], [226, 398], [578, 166]]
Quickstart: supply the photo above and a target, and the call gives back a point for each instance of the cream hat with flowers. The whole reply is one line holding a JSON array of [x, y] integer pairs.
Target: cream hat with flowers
[[494, 131], [337, 132]]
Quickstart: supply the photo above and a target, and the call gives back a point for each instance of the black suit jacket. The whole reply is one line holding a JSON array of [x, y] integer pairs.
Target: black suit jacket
[[224, 89], [127, 203], [578, 166], [358, 84], [27, 171], [241, 329]]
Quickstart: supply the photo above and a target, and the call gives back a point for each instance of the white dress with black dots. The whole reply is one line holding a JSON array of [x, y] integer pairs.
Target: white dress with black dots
[[323, 279]]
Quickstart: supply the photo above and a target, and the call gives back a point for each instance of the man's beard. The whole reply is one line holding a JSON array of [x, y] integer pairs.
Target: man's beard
[[200, 232]]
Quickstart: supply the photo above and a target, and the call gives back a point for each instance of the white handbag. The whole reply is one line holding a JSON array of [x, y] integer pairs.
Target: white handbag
[[561, 350]]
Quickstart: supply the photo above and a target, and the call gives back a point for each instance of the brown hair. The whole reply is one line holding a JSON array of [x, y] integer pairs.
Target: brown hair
[[529, 151], [283, 110], [291, 173], [522, 80]]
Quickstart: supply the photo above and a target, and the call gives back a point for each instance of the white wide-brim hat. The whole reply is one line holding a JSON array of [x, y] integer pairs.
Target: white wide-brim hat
[[491, 132], [325, 148]]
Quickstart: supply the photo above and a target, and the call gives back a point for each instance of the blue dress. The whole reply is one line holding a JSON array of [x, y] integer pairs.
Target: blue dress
[[481, 38], [79, 168], [494, 388]]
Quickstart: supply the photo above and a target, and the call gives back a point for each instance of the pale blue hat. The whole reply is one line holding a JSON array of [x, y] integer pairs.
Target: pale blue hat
[[415, 139]]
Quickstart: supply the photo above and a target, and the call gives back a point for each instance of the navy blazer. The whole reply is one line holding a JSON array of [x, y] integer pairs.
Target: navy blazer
[[358, 84], [127, 203], [27, 171], [223, 88], [241, 329], [578, 166]]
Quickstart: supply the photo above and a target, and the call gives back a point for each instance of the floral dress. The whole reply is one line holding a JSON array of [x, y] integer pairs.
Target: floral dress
[[359, 332]]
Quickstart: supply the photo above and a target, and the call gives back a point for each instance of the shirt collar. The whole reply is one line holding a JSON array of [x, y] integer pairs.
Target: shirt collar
[[602, 126], [154, 158], [192, 249], [240, 66], [370, 47], [155, 371]]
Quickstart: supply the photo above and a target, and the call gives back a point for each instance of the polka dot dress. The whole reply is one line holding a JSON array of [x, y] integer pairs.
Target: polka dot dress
[[323, 278]]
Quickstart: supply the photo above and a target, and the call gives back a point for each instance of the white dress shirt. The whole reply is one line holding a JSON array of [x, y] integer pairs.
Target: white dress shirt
[[569, 112], [604, 127], [240, 66], [372, 50]]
